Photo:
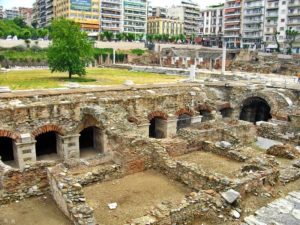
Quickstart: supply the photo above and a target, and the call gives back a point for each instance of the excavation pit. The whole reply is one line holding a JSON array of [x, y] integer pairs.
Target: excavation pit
[[213, 163], [135, 195]]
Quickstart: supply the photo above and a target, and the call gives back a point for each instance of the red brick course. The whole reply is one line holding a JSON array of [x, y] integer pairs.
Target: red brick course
[[9, 134], [157, 114], [47, 128]]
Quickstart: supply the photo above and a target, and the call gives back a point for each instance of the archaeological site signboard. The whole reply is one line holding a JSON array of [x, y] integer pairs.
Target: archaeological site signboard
[[82, 5]]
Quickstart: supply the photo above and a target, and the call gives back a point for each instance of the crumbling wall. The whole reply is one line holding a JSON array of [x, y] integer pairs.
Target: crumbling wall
[[69, 196], [18, 184]]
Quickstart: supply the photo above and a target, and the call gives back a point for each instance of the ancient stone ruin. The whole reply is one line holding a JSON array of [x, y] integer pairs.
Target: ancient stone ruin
[[184, 153]]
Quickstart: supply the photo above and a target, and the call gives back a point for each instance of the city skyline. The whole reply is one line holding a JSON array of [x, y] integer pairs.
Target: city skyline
[[28, 3]]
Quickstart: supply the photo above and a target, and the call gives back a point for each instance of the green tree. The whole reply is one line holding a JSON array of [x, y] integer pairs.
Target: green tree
[[108, 35], [276, 33], [20, 22], [150, 37], [120, 36], [130, 36], [26, 34], [291, 38], [70, 50]]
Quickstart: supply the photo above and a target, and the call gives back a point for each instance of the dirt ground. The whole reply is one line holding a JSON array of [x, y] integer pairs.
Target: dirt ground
[[135, 195], [214, 163], [40, 211]]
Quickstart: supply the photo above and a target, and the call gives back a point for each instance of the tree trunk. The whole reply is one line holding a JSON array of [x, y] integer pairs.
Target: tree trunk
[[70, 75]]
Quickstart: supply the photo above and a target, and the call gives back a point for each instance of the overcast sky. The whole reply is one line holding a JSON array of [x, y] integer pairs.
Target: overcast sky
[[28, 3]]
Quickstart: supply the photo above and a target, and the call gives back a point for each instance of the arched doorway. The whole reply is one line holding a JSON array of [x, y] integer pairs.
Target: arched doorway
[[255, 109], [46, 146], [91, 142], [226, 112], [7, 151], [184, 120], [158, 128], [206, 115]]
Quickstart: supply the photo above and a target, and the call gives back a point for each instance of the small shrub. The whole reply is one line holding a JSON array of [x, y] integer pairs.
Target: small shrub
[[137, 51], [2, 58], [36, 48], [19, 48]]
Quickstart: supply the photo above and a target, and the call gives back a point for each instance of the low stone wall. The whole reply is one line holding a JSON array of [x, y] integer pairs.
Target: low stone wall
[[18, 184], [193, 206], [278, 132], [69, 196], [188, 173], [239, 133]]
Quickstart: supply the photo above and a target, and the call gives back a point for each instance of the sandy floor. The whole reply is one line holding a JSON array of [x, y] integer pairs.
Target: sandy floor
[[32, 211], [135, 195], [213, 163], [87, 153]]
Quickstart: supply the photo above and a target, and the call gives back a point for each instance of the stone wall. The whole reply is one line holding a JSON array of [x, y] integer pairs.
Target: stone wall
[[17, 185], [266, 63], [69, 196]]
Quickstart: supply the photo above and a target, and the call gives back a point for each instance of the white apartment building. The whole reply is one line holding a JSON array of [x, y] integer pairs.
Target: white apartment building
[[233, 23], [293, 21], [275, 21], [135, 16], [253, 23], [189, 13], [211, 25], [111, 15]]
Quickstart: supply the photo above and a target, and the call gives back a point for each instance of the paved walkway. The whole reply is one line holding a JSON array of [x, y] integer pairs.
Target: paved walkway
[[283, 211]]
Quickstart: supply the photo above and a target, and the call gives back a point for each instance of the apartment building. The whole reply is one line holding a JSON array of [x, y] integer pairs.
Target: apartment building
[[159, 12], [211, 25], [86, 13], [253, 23], [275, 21], [233, 23], [293, 21], [26, 14], [135, 15], [111, 16], [11, 13], [42, 13], [1, 12], [189, 13], [158, 25]]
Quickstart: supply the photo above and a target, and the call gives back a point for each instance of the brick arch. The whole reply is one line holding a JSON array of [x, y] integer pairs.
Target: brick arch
[[88, 120], [186, 111], [13, 135], [159, 114], [47, 128], [204, 107]]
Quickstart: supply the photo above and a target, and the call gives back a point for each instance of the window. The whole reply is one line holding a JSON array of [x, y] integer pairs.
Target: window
[[282, 20], [281, 28], [283, 2]]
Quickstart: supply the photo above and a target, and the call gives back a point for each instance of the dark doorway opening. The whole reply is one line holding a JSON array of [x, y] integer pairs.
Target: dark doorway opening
[[158, 128], [6, 150], [46, 146], [90, 142], [183, 121], [255, 109], [226, 113], [206, 115]]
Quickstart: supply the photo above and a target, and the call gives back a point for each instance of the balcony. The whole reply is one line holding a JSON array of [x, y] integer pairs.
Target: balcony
[[294, 4], [268, 15], [232, 6], [253, 21], [252, 6], [271, 24], [292, 14], [293, 22]]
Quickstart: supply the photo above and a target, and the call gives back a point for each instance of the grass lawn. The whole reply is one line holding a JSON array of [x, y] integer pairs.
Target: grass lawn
[[36, 79]]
